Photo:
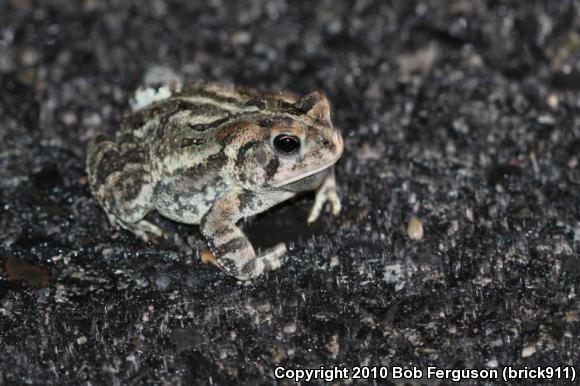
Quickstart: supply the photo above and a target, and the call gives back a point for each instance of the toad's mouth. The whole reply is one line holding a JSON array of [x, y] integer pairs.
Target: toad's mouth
[[306, 175]]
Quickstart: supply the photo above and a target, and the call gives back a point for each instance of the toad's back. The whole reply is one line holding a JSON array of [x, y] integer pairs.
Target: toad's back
[[190, 141]]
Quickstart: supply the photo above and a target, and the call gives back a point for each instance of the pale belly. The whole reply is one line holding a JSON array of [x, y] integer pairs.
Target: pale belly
[[185, 201]]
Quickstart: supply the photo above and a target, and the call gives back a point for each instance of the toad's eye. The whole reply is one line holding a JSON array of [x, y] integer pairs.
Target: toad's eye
[[287, 144]]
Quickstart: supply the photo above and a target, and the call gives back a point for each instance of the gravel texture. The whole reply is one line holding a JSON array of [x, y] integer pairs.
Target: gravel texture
[[458, 245]]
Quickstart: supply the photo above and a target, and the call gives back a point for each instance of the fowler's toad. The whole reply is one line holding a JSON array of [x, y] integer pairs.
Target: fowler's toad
[[211, 155]]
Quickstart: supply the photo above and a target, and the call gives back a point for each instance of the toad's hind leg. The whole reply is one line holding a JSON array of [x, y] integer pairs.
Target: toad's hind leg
[[122, 185], [233, 252]]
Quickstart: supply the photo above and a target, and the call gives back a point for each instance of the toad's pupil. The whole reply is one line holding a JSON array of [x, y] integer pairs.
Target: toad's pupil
[[287, 144]]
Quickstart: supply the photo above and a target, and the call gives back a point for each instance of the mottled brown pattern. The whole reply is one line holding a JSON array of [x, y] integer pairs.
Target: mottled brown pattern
[[211, 164], [206, 156], [272, 167], [227, 134]]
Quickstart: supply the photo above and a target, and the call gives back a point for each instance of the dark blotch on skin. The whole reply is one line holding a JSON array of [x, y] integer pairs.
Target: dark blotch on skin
[[135, 156], [207, 126], [244, 149], [272, 167], [213, 162], [258, 102], [289, 108], [222, 231], [136, 119], [250, 267], [132, 186], [110, 163], [186, 142], [307, 103], [246, 201], [196, 109], [270, 122], [266, 123], [163, 109], [261, 157], [217, 97], [125, 138], [234, 245]]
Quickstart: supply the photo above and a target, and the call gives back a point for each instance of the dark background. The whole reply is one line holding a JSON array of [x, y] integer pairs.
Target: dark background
[[464, 114]]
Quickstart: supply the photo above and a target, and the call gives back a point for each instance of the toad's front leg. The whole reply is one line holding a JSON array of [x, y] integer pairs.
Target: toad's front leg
[[326, 192], [234, 253]]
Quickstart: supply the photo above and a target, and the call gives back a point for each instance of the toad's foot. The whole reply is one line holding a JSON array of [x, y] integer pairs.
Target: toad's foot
[[142, 229], [269, 261], [325, 193], [266, 262]]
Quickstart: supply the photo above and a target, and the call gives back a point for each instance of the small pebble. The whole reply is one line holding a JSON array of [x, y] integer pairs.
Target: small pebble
[[241, 37], [82, 340], [30, 57], [162, 281], [553, 101], [69, 118], [492, 363], [469, 214], [529, 351], [333, 346], [453, 228], [290, 328], [415, 229], [497, 343]]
